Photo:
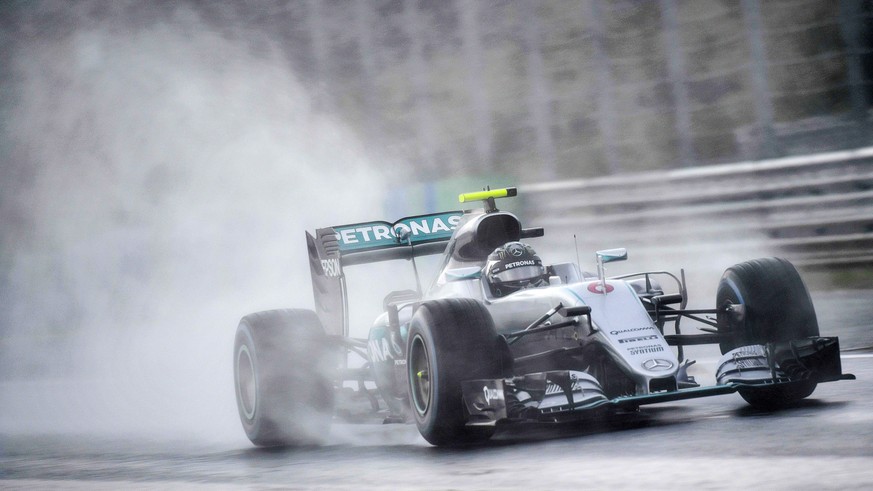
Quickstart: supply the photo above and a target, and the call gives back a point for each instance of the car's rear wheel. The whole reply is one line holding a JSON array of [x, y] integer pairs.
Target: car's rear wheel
[[450, 340], [283, 378], [776, 306]]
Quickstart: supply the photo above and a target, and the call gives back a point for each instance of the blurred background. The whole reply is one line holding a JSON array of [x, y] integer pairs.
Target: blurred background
[[159, 162], [568, 89]]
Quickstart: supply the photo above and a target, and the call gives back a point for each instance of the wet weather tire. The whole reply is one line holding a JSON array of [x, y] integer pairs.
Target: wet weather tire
[[776, 307], [450, 340], [282, 377]]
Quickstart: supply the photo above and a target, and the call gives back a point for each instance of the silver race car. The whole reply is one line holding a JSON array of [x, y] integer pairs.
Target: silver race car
[[499, 337]]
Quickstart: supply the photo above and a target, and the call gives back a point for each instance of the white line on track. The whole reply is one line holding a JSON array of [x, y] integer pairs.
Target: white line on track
[[864, 355]]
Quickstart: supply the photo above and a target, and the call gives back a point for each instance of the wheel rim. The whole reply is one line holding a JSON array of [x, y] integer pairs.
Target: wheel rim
[[246, 384], [419, 374]]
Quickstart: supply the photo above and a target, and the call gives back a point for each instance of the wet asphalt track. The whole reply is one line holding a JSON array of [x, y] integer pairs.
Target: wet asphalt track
[[826, 442]]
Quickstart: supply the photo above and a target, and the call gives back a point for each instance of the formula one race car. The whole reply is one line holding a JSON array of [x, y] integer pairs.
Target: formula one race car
[[500, 337]]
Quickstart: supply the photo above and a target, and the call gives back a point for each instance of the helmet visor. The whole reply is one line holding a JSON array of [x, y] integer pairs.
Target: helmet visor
[[520, 274]]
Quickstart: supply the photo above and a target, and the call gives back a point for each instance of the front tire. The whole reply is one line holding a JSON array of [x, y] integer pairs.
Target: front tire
[[282, 377], [776, 307], [450, 340]]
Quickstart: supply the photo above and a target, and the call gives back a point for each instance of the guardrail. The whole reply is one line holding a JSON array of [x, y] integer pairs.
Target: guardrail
[[815, 210]]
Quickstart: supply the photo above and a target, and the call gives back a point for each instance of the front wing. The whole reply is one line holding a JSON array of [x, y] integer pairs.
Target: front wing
[[565, 395]]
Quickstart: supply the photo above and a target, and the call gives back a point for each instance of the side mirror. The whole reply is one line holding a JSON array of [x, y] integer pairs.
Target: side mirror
[[608, 256], [611, 255]]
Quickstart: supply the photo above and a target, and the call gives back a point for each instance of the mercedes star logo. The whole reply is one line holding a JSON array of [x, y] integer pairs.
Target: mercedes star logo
[[657, 365]]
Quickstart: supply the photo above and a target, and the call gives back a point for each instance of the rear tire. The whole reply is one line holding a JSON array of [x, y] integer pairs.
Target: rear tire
[[777, 307], [450, 341], [283, 378]]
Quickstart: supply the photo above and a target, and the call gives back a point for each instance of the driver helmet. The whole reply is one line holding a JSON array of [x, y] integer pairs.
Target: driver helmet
[[512, 267]]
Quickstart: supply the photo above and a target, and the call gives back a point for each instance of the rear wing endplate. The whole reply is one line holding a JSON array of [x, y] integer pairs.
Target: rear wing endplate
[[331, 249]]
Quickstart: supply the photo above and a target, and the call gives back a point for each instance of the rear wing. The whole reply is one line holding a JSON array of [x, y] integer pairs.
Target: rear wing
[[332, 249]]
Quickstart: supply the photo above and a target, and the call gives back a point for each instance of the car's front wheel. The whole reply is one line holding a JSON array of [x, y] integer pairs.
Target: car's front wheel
[[776, 306], [450, 340]]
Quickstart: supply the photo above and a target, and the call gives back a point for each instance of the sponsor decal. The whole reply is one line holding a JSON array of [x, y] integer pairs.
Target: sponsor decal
[[635, 329], [492, 394], [529, 262], [638, 339], [516, 249], [365, 234], [556, 389], [379, 350], [331, 267], [383, 234], [657, 364], [749, 359], [649, 348], [395, 343], [575, 386], [598, 288]]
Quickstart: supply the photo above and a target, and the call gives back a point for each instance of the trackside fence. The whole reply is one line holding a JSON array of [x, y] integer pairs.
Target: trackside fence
[[815, 210]]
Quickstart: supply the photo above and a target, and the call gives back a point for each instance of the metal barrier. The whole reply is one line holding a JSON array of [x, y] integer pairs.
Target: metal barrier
[[815, 210]]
